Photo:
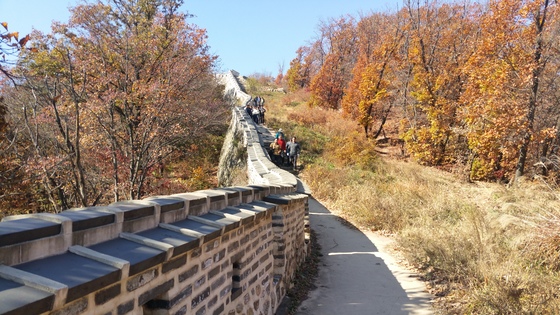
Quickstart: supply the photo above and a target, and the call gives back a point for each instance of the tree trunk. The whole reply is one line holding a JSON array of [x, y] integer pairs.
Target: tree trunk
[[530, 118]]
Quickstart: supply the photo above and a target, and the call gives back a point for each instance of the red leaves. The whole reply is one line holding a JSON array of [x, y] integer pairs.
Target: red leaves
[[24, 40], [7, 38]]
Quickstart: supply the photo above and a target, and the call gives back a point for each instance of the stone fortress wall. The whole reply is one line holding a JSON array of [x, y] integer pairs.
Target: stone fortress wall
[[231, 250]]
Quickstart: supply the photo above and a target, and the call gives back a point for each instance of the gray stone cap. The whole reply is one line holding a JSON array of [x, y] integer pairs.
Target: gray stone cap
[[279, 199], [284, 199], [16, 298], [181, 242], [87, 218], [192, 198], [167, 203], [228, 223], [262, 207], [80, 274], [261, 188], [244, 216], [134, 209], [21, 229], [229, 191], [245, 190], [140, 256], [213, 195], [208, 232]]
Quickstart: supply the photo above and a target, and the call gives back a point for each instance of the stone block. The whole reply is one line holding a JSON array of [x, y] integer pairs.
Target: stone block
[[174, 264], [153, 293], [214, 272], [76, 307], [107, 294], [200, 298], [141, 280], [189, 273], [125, 307]]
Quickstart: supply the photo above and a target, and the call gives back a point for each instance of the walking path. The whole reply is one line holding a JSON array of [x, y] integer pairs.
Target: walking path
[[357, 275]]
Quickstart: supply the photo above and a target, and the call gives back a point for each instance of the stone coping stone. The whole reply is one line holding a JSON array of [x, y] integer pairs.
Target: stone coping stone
[[168, 204], [133, 210], [229, 224], [17, 298], [194, 199], [278, 199], [259, 207], [27, 229], [209, 232], [181, 243], [233, 196], [87, 218], [260, 187], [228, 191], [243, 215], [245, 191], [212, 195], [141, 257], [82, 275]]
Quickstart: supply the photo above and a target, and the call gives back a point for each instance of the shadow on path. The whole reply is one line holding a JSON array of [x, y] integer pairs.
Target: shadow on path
[[355, 277]]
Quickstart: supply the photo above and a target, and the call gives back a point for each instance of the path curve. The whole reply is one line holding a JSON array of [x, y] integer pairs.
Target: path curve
[[356, 274]]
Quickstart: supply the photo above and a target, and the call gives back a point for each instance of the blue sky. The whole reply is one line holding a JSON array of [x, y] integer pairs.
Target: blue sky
[[250, 36]]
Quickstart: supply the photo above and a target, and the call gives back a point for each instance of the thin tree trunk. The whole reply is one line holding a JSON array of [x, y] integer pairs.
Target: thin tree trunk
[[537, 58]]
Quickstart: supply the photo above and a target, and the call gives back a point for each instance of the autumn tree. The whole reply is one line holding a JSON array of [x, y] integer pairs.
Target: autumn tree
[[537, 13], [338, 39], [504, 88], [117, 92], [10, 165], [307, 63], [368, 96], [436, 55], [297, 75]]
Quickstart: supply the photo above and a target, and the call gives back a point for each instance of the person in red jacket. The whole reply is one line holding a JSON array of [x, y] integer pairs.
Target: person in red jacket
[[282, 144]]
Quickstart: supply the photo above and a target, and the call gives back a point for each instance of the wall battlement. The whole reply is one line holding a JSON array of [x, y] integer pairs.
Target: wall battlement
[[218, 251]]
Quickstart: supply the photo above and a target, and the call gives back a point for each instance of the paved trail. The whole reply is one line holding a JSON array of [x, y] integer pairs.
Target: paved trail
[[355, 275]]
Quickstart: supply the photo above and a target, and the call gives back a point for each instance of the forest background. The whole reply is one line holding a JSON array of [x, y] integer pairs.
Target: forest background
[[121, 103]]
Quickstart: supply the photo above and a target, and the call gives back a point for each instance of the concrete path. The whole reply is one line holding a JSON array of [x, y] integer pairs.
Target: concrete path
[[355, 275]]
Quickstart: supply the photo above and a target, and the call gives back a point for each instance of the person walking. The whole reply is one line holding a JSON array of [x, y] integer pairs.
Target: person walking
[[293, 150], [282, 144], [256, 114], [275, 151], [249, 110], [262, 111]]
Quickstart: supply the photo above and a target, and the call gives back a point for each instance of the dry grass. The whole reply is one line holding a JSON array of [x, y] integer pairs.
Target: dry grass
[[483, 248]]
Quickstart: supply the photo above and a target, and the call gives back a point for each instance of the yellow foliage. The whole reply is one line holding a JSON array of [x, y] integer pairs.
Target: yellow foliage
[[352, 150]]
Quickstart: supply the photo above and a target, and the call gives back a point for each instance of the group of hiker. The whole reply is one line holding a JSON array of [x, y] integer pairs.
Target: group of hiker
[[282, 152], [285, 153], [255, 108]]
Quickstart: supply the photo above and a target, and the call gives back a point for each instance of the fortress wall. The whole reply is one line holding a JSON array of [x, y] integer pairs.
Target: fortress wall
[[229, 250]]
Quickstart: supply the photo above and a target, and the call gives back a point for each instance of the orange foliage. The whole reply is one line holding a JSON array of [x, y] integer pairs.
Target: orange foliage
[[328, 85], [467, 80], [109, 98]]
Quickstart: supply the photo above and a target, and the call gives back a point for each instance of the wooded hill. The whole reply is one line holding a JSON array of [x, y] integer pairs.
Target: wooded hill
[[118, 103], [473, 85]]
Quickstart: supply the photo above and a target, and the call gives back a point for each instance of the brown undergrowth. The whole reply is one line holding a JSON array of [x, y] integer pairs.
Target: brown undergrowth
[[482, 248]]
